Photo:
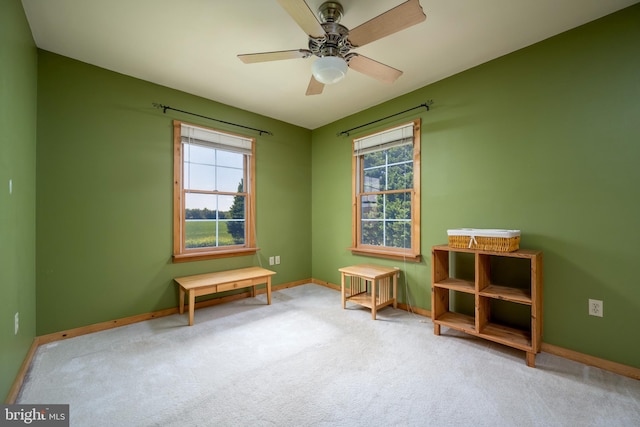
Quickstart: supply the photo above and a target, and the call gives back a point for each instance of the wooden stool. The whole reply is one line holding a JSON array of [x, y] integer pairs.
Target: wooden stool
[[370, 286]]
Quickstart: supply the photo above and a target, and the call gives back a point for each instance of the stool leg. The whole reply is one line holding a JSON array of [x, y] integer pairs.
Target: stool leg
[[395, 290], [344, 299], [373, 299]]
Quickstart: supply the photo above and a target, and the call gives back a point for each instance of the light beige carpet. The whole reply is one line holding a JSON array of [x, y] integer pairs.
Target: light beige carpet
[[304, 361]]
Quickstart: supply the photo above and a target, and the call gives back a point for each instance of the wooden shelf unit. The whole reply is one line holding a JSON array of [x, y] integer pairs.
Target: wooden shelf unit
[[484, 291]]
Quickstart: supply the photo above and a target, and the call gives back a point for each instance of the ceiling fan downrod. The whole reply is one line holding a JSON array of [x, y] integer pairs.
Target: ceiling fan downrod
[[330, 11]]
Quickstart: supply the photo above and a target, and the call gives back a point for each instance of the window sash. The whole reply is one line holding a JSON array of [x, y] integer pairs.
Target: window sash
[[386, 220], [213, 231]]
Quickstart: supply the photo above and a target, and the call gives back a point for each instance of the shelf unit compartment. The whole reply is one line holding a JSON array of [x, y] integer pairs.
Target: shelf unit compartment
[[504, 314], [454, 307], [457, 285], [482, 271], [506, 335], [507, 293], [455, 296], [459, 321]]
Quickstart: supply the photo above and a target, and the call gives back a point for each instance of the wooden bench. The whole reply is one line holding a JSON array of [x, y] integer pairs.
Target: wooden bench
[[209, 283]]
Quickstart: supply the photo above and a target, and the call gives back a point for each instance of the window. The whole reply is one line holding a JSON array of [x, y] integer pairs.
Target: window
[[386, 193], [214, 193]]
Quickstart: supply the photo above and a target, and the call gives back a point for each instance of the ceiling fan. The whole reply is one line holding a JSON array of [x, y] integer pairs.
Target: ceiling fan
[[332, 43]]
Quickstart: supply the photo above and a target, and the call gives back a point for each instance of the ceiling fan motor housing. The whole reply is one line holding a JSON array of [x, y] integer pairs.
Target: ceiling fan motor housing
[[334, 43]]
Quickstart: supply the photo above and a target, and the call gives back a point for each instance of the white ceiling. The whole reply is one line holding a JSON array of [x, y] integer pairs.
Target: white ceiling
[[191, 45]]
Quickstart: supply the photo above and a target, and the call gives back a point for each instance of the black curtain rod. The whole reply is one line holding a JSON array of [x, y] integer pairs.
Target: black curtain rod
[[166, 107], [425, 105]]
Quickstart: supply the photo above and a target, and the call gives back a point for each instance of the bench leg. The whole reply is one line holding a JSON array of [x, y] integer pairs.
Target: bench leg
[[269, 290], [181, 306], [192, 303]]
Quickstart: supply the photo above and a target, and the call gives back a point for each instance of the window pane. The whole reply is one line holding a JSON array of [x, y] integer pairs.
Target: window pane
[[372, 207], [372, 233], [200, 206], [403, 153], [200, 220], [398, 206], [230, 159], [199, 177], [374, 180], [230, 180], [398, 234], [234, 215], [374, 159], [200, 233], [199, 154], [400, 176], [235, 206], [235, 233]]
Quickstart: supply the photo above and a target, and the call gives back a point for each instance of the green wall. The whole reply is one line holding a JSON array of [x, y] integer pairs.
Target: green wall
[[105, 194], [544, 140], [18, 97]]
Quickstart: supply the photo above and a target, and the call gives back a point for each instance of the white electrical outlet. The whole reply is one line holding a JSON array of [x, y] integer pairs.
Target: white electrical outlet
[[16, 323], [277, 259], [10, 186], [271, 260], [596, 308]]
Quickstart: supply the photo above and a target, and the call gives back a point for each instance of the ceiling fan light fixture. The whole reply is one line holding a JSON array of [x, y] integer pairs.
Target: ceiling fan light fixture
[[329, 69]]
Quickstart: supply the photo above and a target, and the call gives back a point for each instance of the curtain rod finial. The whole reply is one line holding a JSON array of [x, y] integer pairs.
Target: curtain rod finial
[[163, 107]]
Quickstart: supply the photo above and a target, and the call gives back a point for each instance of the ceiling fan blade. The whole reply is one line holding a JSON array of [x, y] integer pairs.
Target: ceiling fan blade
[[304, 17], [250, 58], [375, 69], [315, 87], [400, 17]]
